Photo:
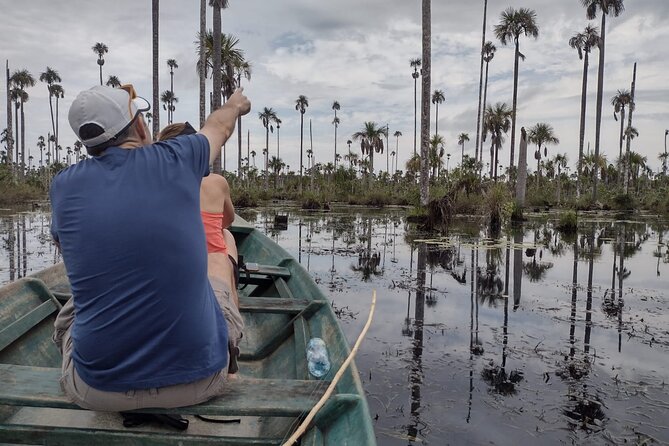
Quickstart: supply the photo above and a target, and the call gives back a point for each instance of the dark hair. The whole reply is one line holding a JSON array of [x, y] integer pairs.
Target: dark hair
[[91, 130]]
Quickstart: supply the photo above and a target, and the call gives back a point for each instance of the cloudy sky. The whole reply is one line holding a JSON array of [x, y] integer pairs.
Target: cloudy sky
[[357, 53]]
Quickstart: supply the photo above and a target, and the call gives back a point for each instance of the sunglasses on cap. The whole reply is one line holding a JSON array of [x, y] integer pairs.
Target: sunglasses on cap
[[134, 98]]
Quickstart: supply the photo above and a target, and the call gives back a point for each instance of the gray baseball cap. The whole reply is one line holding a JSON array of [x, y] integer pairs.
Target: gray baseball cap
[[106, 112]]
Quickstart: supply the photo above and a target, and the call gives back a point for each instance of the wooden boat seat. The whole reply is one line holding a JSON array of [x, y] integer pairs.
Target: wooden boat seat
[[24, 386]]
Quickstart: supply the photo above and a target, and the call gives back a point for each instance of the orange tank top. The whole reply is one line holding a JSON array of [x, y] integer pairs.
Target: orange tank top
[[213, 230]]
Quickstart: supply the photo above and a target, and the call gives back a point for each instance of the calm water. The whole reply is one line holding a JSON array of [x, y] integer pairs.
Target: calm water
[[532, 337]]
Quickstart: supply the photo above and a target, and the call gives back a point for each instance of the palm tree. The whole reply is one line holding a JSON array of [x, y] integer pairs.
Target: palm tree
[[616, 8], [462, 139], [155, 40], [425, 101], [232, 61], [584, 43], [478, 113], [58, 93], [41, 145], [541, 134], [301, 104], [436, 154], [397, 135], [22, 79], [276, 164], [413, 165], [113, 81], [513, 24], [664, 157], [172, 64], [50, 77], [621, 100], [336, 107], [243, 69], [497, 122], [101, 49], [415, 63], [168, 99], [560, 161], [267, 117], [371, 140], [217, 66], [437, 99], [489, 50]]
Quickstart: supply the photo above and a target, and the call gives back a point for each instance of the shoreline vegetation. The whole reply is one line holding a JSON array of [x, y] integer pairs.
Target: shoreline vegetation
[[458, 192]]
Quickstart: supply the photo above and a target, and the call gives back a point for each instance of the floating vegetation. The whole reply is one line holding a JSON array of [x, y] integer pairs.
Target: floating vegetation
[[497, 378]]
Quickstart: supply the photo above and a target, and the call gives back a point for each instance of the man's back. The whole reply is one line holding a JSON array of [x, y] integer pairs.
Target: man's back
[[134, 248]]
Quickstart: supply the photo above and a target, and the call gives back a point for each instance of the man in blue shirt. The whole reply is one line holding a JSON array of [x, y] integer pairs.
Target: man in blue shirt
[[149, 329]]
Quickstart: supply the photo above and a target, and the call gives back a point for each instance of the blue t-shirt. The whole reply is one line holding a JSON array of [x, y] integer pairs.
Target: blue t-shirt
[[133, 244]]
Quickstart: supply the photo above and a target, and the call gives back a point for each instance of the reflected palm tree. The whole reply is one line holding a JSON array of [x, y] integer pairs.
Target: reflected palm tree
[[489, 283], [368, 262], [517, 268], [416, 376]]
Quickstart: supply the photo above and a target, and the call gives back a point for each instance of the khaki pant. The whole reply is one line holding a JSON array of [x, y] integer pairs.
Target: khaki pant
[[179, 395]]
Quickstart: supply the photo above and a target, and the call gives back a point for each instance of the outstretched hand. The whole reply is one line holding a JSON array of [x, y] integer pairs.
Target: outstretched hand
[[239, 101]]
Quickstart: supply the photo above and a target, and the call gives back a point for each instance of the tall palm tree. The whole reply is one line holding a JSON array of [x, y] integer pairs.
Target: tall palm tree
[[497, 123], [50, 77], [41, 145], [541, 134], [268, 117], [584, 43], [202, 61], [336, 107], [232, 61], [371, 140], [101, 49], [58, 93], [397, 135], [437, 99], [217, 5], [426, 13], [415, 64], [489, 50], [172, 64], [301, 104], [462, 139], [168, 99], [620, 101], [113, 81], [478, 113], [614, 7], [513, 24], [243, 69], [22, 79], [155, 51]]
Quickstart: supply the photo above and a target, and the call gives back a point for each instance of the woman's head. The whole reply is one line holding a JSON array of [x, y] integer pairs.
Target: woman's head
[[174, 130]]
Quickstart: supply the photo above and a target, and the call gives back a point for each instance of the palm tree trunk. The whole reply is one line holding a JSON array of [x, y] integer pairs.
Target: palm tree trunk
[[629, 137], [23, 141], [425, 103], [216, 70], [335, 141], [436, 119], [266, 154], [203, 61], [10, 136], [496, 159], [539, 166], [17, 139], [521, 184], [558, 186], [156, 88], [600, 95], [492, 157], [515, 103], [478, 115], [301, 147], [100, 65], [415, 113], [55, 135], [622, 128], [581, 134], [485, 98], [53, 121]]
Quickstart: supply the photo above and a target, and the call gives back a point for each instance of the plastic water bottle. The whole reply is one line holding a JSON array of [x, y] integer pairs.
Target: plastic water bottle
[[317, 358]]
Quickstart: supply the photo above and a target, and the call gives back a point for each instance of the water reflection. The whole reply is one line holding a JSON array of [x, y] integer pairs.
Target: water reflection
[[524, 335]]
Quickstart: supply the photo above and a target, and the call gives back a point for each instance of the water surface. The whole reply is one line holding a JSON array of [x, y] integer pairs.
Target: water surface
[[528, 337]]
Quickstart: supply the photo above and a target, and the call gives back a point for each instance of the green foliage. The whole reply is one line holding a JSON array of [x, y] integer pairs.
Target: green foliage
[[244, 199], [568, 222]]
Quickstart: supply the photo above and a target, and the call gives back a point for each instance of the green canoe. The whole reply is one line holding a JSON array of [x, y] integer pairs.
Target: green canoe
[[282, 309]]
